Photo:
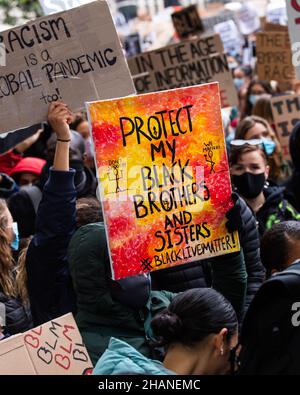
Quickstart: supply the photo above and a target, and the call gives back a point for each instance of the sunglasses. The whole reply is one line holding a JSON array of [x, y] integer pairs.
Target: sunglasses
[[242, 143]]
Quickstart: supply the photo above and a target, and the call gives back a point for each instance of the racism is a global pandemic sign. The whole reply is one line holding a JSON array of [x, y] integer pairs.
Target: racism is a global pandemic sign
[[164, 178]]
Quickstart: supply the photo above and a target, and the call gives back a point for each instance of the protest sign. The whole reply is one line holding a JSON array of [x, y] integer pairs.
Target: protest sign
[[276, 12], [187, 21], [293, 11], [248, 19], [54, 348], [190, 62], [210, 22], [274, 27], [56, 57], [164, 179], [230, 36], [286, 113], [52, 6], [274, 58]]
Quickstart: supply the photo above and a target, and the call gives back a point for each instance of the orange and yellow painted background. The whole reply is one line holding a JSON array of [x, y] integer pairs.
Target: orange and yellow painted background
[[132, 240]]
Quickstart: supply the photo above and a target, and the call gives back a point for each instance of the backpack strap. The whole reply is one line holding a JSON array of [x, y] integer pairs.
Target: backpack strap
[[35, 195]]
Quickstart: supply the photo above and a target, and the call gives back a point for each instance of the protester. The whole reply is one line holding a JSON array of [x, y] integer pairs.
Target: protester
[[7, 186], [106, 308], [16, 312], [242, 77], [11, 158], [263, 109], [270, 333], [293, 183], [249, 173], [24, 204], [27, 171], [256, 88], [199, 331], [49, 283], [254, 127]]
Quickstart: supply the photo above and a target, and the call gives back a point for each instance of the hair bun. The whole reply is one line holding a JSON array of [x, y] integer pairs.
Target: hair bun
[[168, 327]]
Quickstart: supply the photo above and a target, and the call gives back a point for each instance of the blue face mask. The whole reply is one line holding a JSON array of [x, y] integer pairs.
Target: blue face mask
[[253, 99], [269, 146], [15, 244], [238, 83]]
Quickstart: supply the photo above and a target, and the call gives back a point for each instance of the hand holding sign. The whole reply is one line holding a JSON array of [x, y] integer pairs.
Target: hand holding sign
[[59, 117]]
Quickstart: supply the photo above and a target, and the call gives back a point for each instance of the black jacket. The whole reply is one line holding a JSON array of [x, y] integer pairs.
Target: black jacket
[[17, 317], [198, 274], [292, 192], [276, 209]]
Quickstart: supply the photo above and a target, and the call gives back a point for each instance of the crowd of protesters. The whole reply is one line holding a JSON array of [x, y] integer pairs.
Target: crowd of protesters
[[224, 315]]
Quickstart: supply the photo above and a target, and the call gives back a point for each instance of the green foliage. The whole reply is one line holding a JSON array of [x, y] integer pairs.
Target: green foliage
[[30, 9]]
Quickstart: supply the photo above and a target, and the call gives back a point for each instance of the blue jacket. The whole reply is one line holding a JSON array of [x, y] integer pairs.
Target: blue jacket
[[121, 358], [49, 283]]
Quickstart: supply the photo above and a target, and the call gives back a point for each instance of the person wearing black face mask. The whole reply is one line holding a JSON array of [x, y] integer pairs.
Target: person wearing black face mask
[[249, 174]]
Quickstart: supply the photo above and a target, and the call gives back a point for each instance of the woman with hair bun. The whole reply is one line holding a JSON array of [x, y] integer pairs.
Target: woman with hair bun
[[199, 332]]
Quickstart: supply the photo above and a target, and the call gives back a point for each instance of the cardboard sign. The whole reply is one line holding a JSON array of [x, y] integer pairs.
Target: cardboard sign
[[286, 113], [187, 21], [56, 57], [248, 19], [274, 27], [163, 171], [274, 58], [293, 11], [54, 348], [190, 62], [230, 36]]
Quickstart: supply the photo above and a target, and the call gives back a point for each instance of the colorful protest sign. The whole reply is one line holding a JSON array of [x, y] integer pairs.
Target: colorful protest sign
[[187, 21], [54, 348], [56, 57], [163, 171], [274, 58], [293, 11], [190, 62], [286, 113], [230, 36]]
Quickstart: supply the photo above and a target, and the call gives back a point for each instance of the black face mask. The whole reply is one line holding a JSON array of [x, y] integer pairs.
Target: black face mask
[[249, 185], [132, 292]]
